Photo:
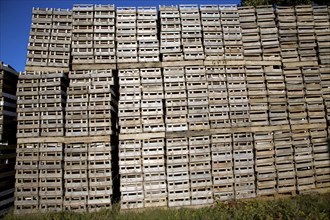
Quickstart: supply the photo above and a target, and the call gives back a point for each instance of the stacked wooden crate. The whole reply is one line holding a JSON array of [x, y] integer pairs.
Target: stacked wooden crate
[[8, 81], [147, 34], [52, 99], [268, 33], [325, 80], [284, 162], [104, 34], [239, 112], [41, 101], [222, 166], [27, 178], [177, 171], [153, 148], [130, 149], [87, 173], [322, 32], [287, 27], [231, 121], [257, 93], [39, 39], [277, 98], [170, 33], [75, 176], [76, 112], [200, 173], [191, 35], [232, 32], [175, 99], [313, 95], [212, 32], [265, 163], [244, 171], [316, 100], [50, 170], [90, 122], [318, 136], [276, 91], [126, 35], [197, 93], [60, 39], [250, 33], [142, 159], [28, 124], [298, 116], [306, 33], [218, 97], [321, 157], [82, 51], [8, 115]]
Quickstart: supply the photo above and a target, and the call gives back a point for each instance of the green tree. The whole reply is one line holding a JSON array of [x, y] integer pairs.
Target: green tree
[[283, 2]]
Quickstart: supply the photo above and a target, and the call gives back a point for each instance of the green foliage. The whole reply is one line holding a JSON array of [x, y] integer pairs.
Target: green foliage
[[299, 207], [283, 2]]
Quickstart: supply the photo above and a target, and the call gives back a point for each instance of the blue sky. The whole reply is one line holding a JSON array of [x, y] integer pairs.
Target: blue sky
[[15, 19]]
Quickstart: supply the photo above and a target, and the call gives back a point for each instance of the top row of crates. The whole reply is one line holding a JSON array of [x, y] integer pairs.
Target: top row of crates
[[186, 7], [141, 9]]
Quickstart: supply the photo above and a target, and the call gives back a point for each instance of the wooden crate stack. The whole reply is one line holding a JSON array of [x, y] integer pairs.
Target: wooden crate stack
[[52, 100], [276, 93], [212, 32], [126, 35], [197, 93], [142, 159], [222, 166], [244, 170], [28, 105], [147, 37], [75, 176], [250, 33], [322, 32], [306, 33], [232, 32], [177, 171], [257, 94], [287, 27], [8, 116], [170, 33], [41, 101], [321, 157], [284, 162], [218, 97], [50, 170], [60, 39], [82, 51], [246, 116], [130, 148], [104, 34], [268, 33], [239, 112], [39, 39], [191, 32], [76, 112], [176, 104], [152, 115], [90, 122], [200, 174], [298, 116], [265, 163]]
